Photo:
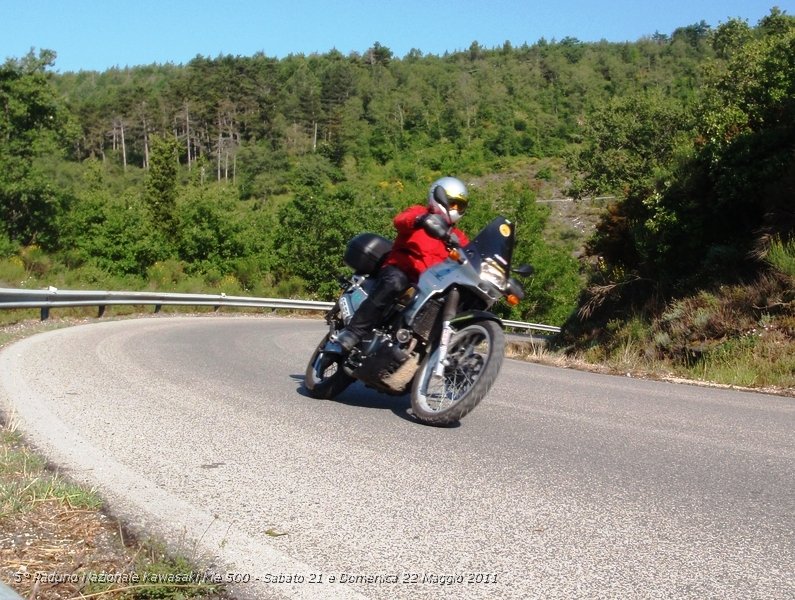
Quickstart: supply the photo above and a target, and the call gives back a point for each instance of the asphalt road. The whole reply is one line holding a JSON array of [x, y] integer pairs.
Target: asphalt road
[[561, 484]]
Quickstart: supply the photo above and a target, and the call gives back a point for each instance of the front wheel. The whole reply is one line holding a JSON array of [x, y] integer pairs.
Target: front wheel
[[325, 377], [474, 358]]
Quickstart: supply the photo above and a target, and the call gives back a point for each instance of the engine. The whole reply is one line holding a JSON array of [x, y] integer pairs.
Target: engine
[[389, 365]]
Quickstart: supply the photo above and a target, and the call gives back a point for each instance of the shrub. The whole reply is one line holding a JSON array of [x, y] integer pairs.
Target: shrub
[[781, 256], [36, 261], [8, 247], [12, 272], [165, 274]]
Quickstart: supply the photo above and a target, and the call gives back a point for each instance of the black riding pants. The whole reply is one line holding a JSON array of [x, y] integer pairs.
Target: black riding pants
[[391, 282]]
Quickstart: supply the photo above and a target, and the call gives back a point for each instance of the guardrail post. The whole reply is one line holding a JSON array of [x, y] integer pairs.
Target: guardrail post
[[158, 307], [45, 313], [101, 311]]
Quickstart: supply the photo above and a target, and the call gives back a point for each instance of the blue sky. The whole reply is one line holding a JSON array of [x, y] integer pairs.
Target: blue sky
[[99, 34]]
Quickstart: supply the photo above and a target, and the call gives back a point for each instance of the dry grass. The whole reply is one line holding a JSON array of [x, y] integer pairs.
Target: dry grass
[[56, 537], [628, 362], [740, 336]]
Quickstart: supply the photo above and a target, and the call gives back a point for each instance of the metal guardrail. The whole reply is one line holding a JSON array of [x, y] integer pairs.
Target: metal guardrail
[[533, 326], [55, 298]]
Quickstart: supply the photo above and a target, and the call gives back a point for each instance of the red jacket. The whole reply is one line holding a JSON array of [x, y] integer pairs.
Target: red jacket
[[414, 250]]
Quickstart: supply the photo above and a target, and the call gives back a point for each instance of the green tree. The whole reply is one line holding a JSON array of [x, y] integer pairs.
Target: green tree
[[160, 193], [262, 171], [746, 136], [551, 293], [208, 233], [634, 148], [110, 233], [311, 240], [730, 37], [698, 193], [32, 123]]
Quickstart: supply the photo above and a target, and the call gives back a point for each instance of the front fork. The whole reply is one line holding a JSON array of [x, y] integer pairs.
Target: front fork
[[449, 311]]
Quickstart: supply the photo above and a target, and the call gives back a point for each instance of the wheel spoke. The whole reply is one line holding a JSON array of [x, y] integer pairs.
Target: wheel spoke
[[473, 360], [465, 365]]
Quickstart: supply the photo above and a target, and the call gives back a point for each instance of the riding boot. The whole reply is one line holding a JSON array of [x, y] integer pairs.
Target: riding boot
[[342, 343], [391, 282]]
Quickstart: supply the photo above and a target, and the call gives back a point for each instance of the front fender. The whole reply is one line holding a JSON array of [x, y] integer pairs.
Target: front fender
[[465, 318]]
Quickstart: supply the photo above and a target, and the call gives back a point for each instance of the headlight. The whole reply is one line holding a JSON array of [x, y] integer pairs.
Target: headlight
[[494, 273]]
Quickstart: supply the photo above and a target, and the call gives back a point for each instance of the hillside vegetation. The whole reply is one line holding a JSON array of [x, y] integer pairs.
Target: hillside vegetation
[[694, 266], [247, 174]]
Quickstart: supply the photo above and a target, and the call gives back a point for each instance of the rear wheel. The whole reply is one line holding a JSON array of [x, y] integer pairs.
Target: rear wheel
[[325, 377], [474, 358]]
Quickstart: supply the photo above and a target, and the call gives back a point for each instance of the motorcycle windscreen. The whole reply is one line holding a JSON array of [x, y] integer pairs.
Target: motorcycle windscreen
[[496, 240]]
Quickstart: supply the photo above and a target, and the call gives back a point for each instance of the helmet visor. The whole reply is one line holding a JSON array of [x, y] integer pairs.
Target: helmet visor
[[459, 204]]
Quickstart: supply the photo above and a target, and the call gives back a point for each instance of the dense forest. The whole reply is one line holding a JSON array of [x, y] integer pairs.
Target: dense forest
[[247, 174]]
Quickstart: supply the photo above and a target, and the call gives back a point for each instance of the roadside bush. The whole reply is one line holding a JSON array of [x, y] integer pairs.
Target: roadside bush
[[165, 274], [691, 327], [207, 233], [8, 248], [230, 286], [781, 256], [12, 272], [292, 287], [91, 277], [35, 260], [116, 235]]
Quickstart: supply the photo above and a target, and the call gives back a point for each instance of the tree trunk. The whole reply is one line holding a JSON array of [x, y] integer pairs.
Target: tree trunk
[[146, 145], [123, 146], [218, 158], [187, 132]]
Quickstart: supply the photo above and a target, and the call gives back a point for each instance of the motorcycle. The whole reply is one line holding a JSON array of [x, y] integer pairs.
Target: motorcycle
[[439, 339]]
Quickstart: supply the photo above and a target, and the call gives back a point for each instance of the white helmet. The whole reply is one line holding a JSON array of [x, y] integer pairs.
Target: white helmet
[[451, 191]]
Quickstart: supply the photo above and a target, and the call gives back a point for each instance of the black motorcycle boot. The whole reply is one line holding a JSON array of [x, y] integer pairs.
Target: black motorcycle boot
[[342, 343], [347, 339]]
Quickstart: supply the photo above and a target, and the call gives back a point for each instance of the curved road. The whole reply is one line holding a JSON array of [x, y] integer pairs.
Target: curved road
[[561, 484]]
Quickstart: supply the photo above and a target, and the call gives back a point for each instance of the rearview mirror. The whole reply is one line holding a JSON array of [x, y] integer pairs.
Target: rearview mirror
[[440, 195], [524, 270]]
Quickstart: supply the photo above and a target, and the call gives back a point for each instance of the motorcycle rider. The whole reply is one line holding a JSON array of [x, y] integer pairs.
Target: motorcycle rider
[[423, 234]]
